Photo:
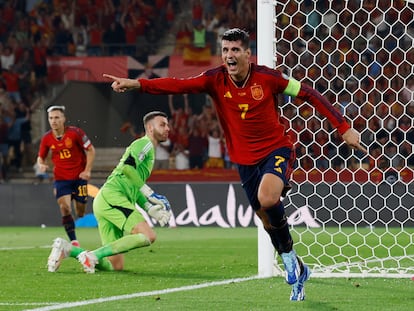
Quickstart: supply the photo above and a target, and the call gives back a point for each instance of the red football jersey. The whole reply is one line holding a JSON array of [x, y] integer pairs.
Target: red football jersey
[[248, 113], [68, 152]]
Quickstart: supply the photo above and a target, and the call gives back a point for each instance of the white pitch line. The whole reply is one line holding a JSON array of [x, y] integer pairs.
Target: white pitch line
[[23, 247], [11, 304], [142, 294]]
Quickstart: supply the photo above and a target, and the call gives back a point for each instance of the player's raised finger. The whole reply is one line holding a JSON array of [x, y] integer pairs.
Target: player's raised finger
[[110, 76]]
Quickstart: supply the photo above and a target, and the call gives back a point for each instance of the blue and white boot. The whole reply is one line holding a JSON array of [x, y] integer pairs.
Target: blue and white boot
[[292, 268], [298, 289]]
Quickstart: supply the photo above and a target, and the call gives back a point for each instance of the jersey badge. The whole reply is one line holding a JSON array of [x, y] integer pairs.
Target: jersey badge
[[68, 143], [228, 95], [257, 92]]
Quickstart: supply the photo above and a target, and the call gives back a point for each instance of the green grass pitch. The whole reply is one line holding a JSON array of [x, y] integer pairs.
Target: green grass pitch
[[186, 269]]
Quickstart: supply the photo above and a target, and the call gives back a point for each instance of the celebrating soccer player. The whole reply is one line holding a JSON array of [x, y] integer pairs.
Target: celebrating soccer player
[[244, 96]]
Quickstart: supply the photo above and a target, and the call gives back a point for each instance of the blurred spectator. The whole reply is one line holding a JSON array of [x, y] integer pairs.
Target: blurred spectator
[[178, 111], [211, 22], [8, 14], [197, 12], [15, 138], [180, 140], [207, 120], [160, 7], [95, 35], [6, 104], [197, 148], [215, 150], [62, 38], [183, 36], [28, 156], [199, 35], [227, 4], [169, 16], [80, 44], [67, 15], [40, 52], [22, 31], [42, 22], [7, 58], [114, 38], [130, 34], [5, 123], [24, 68], [181, 157], [11, 79]]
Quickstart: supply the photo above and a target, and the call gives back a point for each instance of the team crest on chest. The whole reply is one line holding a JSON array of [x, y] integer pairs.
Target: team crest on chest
[[257, 92], [68, 143]]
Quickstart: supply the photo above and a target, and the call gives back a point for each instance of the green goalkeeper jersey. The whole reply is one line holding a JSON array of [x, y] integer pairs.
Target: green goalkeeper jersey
[[133, 169]]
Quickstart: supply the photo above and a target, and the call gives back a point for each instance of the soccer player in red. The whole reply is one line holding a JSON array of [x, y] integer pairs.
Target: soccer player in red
[[244, 96], [72, 155]]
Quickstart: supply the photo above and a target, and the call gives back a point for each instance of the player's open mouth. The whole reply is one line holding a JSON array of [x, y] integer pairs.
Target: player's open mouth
[[231, 64]]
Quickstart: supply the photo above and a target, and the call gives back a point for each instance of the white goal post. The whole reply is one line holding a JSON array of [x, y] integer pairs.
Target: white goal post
[[350, 214]]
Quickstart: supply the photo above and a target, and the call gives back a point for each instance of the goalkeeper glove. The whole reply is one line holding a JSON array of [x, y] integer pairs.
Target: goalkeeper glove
[[155, 198], [158, 213]]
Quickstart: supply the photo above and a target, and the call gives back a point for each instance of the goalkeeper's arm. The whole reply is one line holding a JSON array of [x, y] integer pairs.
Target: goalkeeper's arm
[[149, 194], [157, 210]]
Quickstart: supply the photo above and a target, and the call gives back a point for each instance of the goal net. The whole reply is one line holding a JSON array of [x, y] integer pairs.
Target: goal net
[[351, 214]]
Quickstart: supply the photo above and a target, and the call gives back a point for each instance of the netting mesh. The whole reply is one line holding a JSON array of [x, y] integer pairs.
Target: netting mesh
[[352, 213]]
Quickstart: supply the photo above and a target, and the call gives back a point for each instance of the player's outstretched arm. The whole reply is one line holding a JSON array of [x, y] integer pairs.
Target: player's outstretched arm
[[351, 137], [122, 84]]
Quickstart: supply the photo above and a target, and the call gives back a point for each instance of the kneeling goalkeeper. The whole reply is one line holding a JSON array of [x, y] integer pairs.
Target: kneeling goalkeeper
[[121, 226]]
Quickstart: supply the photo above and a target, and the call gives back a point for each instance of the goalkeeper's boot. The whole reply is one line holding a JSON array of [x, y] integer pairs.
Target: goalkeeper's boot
[[60, 250], [298, 289], [88, 261], [292, 268]]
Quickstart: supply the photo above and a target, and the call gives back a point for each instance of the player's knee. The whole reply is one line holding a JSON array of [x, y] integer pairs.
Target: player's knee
[[65, 208], [152, 236], [117, 262], [268, 200], [118, 267]]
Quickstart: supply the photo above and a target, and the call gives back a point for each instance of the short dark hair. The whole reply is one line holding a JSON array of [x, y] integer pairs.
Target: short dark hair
[[151, 115], [236, 34]]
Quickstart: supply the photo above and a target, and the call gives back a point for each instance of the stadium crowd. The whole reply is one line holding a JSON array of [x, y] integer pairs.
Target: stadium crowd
[[359, 65]]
